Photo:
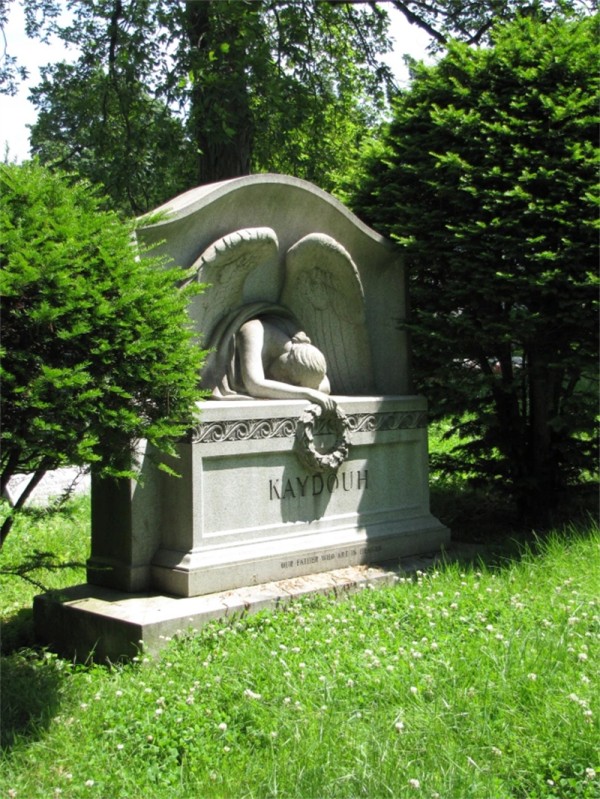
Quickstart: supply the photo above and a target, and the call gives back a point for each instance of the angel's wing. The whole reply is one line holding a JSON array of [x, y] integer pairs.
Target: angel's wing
[[240, 268], [323, 290]]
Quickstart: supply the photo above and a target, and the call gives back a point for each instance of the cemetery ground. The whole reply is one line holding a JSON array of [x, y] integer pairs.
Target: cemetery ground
[[478, 679]]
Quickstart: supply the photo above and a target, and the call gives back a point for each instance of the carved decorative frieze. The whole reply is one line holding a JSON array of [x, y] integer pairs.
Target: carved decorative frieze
[[249, 429], [392, 420]]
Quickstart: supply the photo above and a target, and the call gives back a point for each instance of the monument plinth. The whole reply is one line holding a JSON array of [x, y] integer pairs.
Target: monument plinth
[[311, 453]]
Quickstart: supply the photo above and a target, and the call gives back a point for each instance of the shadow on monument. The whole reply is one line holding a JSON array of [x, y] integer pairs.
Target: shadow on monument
[[303, 497]]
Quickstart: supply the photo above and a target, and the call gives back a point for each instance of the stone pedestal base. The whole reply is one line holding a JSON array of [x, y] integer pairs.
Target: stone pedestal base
[[88, 621], [247, 511]]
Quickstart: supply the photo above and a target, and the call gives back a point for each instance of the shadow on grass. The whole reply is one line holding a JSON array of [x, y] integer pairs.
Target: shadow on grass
[[486, 527], [29, 695], [17, 632]]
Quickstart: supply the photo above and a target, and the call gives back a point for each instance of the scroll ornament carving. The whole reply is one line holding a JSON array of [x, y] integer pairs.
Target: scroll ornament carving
[[286, 427]]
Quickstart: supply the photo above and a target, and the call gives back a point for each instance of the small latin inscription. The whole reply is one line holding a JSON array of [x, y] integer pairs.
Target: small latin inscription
[[329, 557], [313, 485]]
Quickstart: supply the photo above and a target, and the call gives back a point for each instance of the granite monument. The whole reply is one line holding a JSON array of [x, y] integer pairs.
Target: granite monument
[[310, 450]]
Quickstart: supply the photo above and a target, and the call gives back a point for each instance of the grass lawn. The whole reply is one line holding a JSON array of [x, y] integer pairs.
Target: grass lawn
[[469, 681]]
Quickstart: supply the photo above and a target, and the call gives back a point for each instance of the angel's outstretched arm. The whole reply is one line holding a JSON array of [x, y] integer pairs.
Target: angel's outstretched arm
[[256, 342]]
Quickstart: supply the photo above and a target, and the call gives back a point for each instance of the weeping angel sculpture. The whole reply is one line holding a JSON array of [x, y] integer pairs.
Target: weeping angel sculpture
[[282, 325]]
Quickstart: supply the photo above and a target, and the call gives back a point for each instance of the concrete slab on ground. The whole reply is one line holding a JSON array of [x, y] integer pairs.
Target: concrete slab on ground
[[91, 621]]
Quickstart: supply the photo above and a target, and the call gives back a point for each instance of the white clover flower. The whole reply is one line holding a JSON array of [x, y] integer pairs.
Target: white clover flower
[[582, 656], [590, 773], [414, 784], [251, 695], [223, 726], [89, 783], [532, 676], [414, 689], [399, 726]]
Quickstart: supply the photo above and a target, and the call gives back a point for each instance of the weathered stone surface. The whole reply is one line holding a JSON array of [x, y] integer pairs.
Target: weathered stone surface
[[246, 511]]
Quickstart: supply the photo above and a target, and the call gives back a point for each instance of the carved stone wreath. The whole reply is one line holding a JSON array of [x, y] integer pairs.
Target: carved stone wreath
[[334, 421]]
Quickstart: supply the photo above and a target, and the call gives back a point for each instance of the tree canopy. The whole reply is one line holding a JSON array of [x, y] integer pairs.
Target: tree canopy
[[472, 21], [165, 95], [97, 349], [488, 178]]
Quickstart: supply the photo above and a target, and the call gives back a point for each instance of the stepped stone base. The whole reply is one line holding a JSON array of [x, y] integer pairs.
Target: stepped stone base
[[90, 622]]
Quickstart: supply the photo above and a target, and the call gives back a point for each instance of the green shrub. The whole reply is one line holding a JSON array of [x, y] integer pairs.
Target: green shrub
[[96, 346]]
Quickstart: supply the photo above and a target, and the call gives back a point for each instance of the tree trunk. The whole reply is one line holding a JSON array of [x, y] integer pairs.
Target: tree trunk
[[220, 117], [544, 485], [25, 494]]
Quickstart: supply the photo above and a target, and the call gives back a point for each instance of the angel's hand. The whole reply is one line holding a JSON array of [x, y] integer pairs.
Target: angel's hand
[[324, 400]]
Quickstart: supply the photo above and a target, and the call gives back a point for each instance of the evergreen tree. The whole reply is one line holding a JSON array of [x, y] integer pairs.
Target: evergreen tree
[[488, 178], [97, 350]]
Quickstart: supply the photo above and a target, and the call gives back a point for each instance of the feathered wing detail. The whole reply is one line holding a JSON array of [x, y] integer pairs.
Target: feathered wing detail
[[240, 268], [322, 288]]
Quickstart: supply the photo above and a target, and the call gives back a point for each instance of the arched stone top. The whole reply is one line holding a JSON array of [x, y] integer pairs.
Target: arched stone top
[[192, 201], [288, 216]]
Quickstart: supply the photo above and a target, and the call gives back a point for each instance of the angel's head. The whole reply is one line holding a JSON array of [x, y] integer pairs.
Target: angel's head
[[302, 364]]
